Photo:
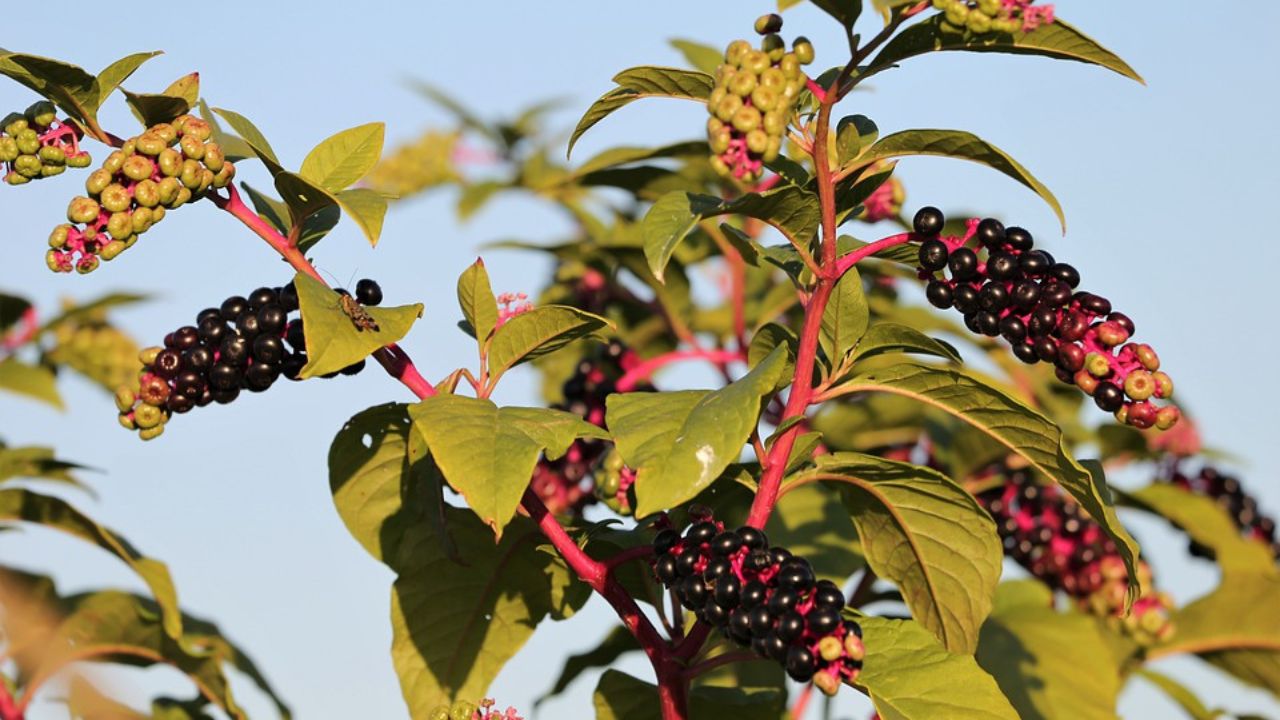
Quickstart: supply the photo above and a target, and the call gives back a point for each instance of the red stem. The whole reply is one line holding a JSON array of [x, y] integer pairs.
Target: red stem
[[9, 710], [646, 369], [848, 260], [802, 702]]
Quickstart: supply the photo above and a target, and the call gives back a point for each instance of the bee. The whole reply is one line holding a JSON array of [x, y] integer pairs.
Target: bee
[[359, 316]]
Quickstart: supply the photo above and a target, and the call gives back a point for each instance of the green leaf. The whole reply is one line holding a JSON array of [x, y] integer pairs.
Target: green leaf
[[303, 197], [36, 462], [12, 308], [667, 222], [18, 505], [1207, 524], [887, 337], [454, 626], [925, 533], [702, 57], [540, 331], [1179, 693], [34, 381], [619, 696], [345, 157], [254, 138], [961, 145], [91, 307], [909, 676], [370, 478], [617, 643], [1049, 664], [67, 85], [154, 109], [845, 319], [846, 11], [117, 72], [1240, 615], [642, 82], [333, 340], [811, 521], [763, 343], [277, 214], [367, 208], [1058, 40], [1011, 423], [615, 157], [475, 297], [680, 442], [488, 453], [233, 147], [186, 87], [854, 134]]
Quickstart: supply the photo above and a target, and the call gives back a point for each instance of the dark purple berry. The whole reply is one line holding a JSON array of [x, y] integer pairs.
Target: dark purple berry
[[933, 255], [186, 337], [268, 349], [728, 591], [1033, 263], [965, 298], [368, 292], [823, 621], [1013, 329], [928, 221], [1019, 239], [1026, 352], [235, 351], [260, 376], [725, 544], [662, 542], [994, 297], [272, 319], [1108, 397], [168, 363], [247, 325], [1065, 274], [800, 664], [1026, 293], [198, 358], [262, 297], [700, 533], [232, 307], [223, 376], [753, 593], [1002, 266], [988, 323], [665, 569], [963, 264], [991, 233], [686, 562], [939, 294], [752, 538], [289, 297]]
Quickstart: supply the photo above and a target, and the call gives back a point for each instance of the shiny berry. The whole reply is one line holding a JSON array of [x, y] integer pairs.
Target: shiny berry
[[272, 319], [1033, 263], [665, 569], [965, 298], [262, 297], [1065, 274], [823, 621], [232, 307], [991, 233], [686, 563], [1019, 239], [268, 349], [994, 297], [800, 664], [963, 264], [368, 292], [753, 594], [933, 255], [1108, 397], [662, 542], [725, 544], [168, 363], [752, 538], [728, 591], [223, 376], [928, 222]]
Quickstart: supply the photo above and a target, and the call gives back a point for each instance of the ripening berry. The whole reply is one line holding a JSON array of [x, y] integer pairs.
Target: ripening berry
[[1164, 385], [770, 23], [803, 50]]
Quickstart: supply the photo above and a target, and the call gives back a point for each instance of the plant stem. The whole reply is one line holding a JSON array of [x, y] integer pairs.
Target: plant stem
[[850, 259], [802, 702], [646, 369], [8, 709], [717, 661]]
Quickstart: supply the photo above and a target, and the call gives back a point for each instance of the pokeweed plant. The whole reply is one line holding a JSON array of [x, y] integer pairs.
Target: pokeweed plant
[[836, 511]]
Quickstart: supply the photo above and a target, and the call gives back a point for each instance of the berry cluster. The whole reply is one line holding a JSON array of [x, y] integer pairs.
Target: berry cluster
[[994, 16], [167, 166], [755, 93], [885, 202], [565, 484], [1047, 532], [1031, 300], [96, 349], [34, 145], [1228, 493], [466, 710], [246, 344], [762, 597]]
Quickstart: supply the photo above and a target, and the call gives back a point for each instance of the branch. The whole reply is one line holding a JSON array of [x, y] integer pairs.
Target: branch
[[850, 259], [646, 369], [715, 662]]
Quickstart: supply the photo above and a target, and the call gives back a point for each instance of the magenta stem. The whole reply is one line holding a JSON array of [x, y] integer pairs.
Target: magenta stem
[[646, 369]]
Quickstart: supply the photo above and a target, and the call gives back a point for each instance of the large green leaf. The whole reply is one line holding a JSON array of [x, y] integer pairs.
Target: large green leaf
[[344, 157], [540, 331], [792, 210], [117, 72], [488, 453], [888, 337], [303, 197], [642, 82], [680, 442], [1206, 523], [1058, 40], [368, 208], [854, 134], [1011, 423], [702, 57], [177, 99], [961, 145], [1049, 664], [34, 381], [619, 696], [454, 626], [19, 505], [925, 533], [845, 319], [1240, 615], [475, 297], [333, 339], [846, 11], [253, 137], [910, 676], [69, 86], [36, 462], [369, 476], [618, 642], [812, 522]]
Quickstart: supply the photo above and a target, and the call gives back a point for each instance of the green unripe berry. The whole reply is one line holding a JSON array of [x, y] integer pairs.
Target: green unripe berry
[[190, 176], [148, 143], [1096, 365], [147, 356], [184, 197], [151, 433], [52, 155], [774, 46], [853, 648], [717, 94], [114, 161], [1168, 417], [126, 421], [28, 142], [773, 78], [979, 23], [719, 166], [732, 54], [1007, 26], [764, 99], [803, 50], [81, 160], [990, 8], [774, 149], [138, 167], [180, 123], [742, 84], [165, 132], [58, 238], [775, 122], [942, 4], [112, 249], [28, 166], [170, 162], [830, 649], [115, 198], [168, 189], [746, 119], [51, 260], [1139, 385], [15, 123], [8, 149], [719, 140], [770, 23], [213, 157], [51, 170], [958, 14], [147, 193], [119, 225], [756, 61], [439, 713], [130, 146], [125, 399], [757, 141], [83, 210], [147, 416], [789, 65], [13, 178], [42, 113], [750, 176], [87, 264], [97, 181], [141, 220], [157, 214], [198, 129], [826, 683], [191, 147], [730, 105], [206, 180]]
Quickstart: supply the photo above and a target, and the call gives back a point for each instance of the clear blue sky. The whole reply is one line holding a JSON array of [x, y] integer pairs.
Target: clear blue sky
[[1166, 190]]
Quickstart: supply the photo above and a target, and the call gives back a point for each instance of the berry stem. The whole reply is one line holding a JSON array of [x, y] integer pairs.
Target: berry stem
[[642, 372], [627, 556], [715, 662], [9, 710], [850, 259], [802, 702]]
